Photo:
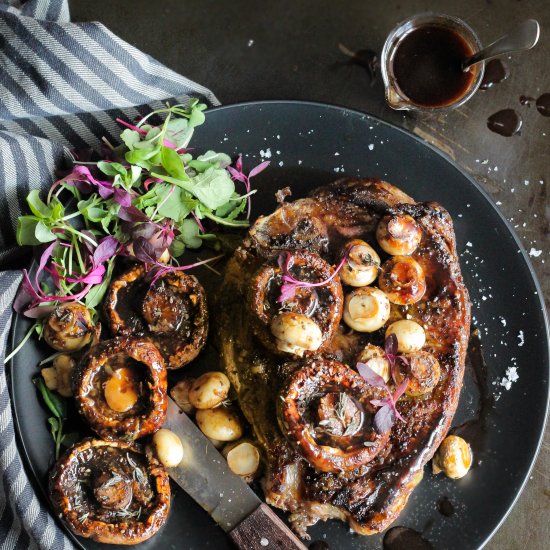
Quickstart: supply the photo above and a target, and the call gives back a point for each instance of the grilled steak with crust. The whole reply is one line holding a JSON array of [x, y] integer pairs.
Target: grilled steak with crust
[[372, 495]]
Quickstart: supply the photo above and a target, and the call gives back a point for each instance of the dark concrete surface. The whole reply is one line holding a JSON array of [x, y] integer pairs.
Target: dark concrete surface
[[250, 50]]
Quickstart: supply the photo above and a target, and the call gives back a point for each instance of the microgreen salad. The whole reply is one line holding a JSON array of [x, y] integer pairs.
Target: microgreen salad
[[149, 199]]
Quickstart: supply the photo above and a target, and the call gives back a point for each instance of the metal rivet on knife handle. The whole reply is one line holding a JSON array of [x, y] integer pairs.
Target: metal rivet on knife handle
[[262, 530]]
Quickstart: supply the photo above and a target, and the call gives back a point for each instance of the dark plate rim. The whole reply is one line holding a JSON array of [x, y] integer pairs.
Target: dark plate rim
[[476, 185]]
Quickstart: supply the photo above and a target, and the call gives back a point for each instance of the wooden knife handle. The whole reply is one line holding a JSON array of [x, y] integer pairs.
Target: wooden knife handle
[[264, 530]]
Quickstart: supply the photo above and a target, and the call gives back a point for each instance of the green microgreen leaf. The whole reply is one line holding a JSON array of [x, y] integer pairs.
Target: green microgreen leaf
[[43, 233], [172, 163], [112, 168], [213, 188], [37, 206]]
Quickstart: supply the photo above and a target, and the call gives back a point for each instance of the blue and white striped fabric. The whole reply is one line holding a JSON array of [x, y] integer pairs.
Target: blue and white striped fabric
[[61, 85]]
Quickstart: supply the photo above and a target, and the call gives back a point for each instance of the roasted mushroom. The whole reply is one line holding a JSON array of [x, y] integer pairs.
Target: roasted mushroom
[[310, 315], [402, 279], [361, 265], [110, 492], [410, 335], [171, 312], [325, 411], [366, 309], [375, 358], [120, 388], [423, 371], [453, 458], [69, 327], [398, 234]]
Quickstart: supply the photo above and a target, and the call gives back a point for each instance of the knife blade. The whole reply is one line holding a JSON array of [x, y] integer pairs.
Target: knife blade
[[204, 474]]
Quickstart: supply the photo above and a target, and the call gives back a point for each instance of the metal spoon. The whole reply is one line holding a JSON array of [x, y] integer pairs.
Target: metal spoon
[[523, 37]]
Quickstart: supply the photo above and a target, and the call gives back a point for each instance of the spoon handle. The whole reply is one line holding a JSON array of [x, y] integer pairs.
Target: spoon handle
[[523, 37]]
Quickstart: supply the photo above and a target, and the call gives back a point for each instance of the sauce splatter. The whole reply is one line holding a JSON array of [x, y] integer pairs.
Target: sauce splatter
[[495, 71], [506, 122], [543, 104], [404, 538]]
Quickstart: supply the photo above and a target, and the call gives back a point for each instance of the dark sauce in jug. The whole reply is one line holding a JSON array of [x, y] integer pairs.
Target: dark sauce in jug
[[427, 66]]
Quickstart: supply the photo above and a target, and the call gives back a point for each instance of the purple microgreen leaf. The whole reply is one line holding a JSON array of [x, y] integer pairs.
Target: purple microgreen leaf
[[145, 230], [391, 344], [371, 377], [239, 163], [380, 402], [163, 269], [288, 292], [384, 419], [132, 214], [106, 249], [44, 258], [260, 168], [94, 277], [144, 251], [400, 390], [122, 197], [235, 174], [26, 294], [38, 312], [288, 278]]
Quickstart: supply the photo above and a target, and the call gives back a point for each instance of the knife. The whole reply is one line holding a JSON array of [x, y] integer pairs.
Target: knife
[[204, 474]]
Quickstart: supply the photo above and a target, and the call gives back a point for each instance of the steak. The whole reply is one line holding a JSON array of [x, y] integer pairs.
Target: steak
[[370, 496]]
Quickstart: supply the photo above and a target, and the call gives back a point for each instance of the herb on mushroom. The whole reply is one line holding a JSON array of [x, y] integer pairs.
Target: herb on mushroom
[[291, 284], [387, 412], [390, 353]]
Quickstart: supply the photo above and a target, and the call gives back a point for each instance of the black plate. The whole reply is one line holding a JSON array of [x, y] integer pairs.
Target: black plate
[[312, 144]]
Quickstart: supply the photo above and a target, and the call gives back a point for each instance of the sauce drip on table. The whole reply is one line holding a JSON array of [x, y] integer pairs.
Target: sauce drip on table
[[404, 538], [495, 71], [543, 104], [427, 66], [506, 122], [526, 100], [445, 507]]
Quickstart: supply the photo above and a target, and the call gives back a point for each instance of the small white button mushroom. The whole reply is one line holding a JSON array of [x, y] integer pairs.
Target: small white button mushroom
[[209, 390], [361, 266], [296, 333], [374, 358], [243, 458], [168, 448], [69, 327], [366, 309], [410, 335], [398, 234], [180, 394], [219, 423], [453, 458]]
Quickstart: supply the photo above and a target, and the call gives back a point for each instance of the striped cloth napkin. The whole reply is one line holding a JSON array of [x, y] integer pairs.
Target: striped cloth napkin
[[61, 86]]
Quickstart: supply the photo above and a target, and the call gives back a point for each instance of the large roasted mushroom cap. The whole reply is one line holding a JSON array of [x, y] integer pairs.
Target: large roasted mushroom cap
[[120, 387], [171, 312], [272, 316], [110, 492], [325, 412]]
